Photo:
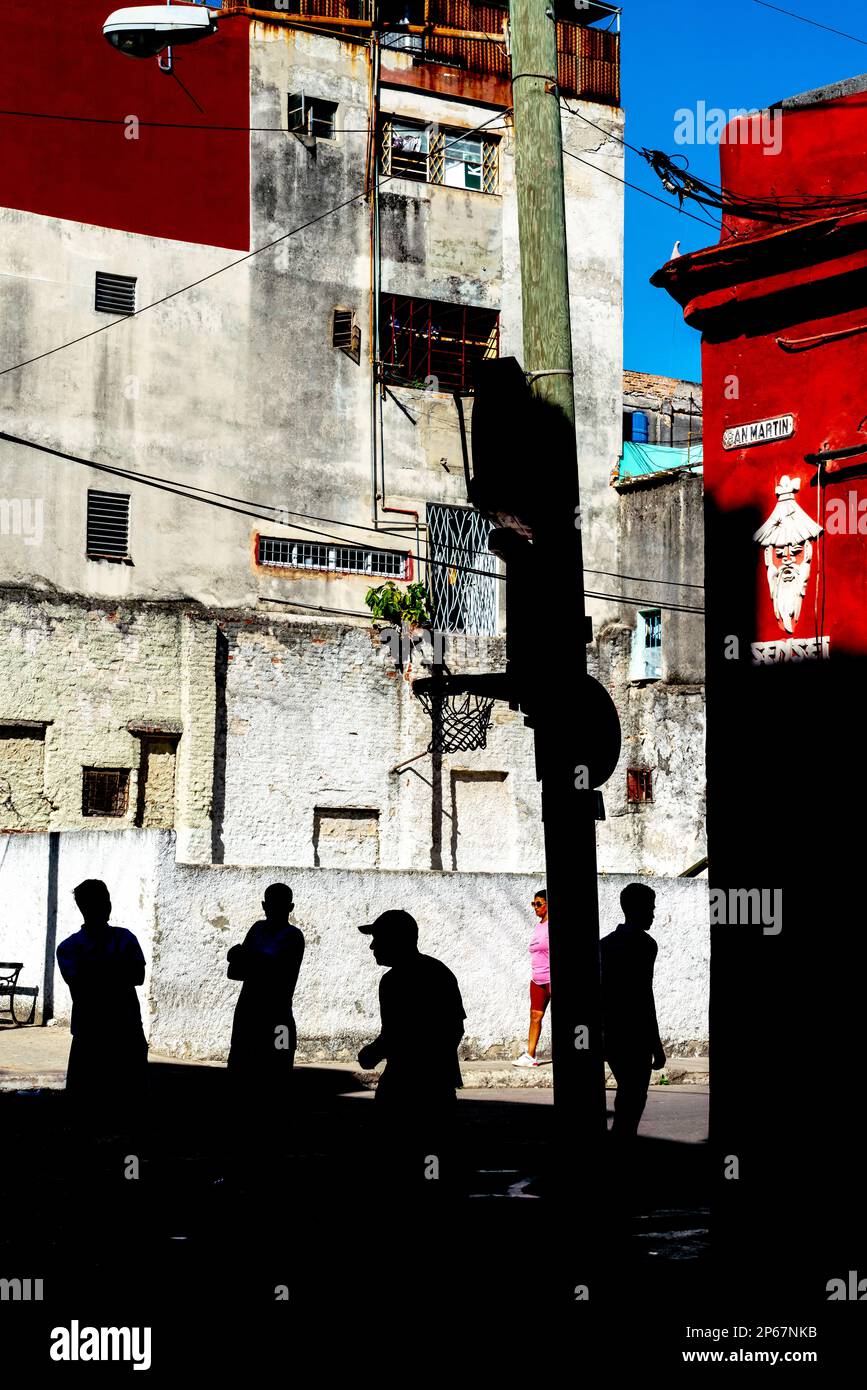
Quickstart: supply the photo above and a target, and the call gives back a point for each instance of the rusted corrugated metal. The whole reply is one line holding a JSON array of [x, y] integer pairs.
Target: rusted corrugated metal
[[476, 55], [588, 59], [589, 63]]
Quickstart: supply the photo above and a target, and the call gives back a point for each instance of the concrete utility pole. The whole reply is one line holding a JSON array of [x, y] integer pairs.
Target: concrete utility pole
[[564, 736]]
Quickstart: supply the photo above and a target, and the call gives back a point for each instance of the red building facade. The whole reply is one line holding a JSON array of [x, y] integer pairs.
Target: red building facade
[[781, 303]]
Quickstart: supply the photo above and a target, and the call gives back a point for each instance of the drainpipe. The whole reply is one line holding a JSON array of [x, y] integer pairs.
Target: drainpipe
[[377, 468], [372, 184]]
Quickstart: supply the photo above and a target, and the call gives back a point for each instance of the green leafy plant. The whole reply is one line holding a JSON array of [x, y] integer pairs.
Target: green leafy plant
[[393, 604]]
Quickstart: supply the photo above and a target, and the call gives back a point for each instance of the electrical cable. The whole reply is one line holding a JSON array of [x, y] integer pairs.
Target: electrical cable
[[173, 125], [816, 25], [680, 211], [248, 255], [179, 490], [250, 507]]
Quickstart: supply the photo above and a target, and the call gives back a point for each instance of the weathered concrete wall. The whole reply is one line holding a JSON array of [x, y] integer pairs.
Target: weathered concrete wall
[[663, 721], [299, 741], [281, 721], [34, 913], [23, 804], [89, 672], [320, 719], [187, 916], [234, 386]]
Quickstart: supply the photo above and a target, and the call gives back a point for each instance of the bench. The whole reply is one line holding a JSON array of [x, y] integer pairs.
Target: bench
[[9, 972]]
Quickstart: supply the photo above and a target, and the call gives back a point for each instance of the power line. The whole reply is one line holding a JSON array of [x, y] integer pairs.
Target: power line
[[815, 23], [682, 212], [248, 255], [171, 125], [179, 490]]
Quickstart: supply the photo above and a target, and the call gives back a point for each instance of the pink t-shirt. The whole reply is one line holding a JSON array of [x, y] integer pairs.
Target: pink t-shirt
[[540, 963]]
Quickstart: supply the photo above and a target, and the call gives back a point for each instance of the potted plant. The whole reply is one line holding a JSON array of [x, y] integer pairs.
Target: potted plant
[[406, 610]]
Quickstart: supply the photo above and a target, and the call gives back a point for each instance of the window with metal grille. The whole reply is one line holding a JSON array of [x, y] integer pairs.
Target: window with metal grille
[[435, 154], [114, 294], [432, 345], [458, 543], [647, 645], [333, 559], [345, 333], [312, 116], [105, 791], [639, 785], [107, 525]]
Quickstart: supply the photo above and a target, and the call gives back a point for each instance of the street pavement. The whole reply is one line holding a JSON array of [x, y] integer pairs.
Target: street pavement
[[35, 1058]]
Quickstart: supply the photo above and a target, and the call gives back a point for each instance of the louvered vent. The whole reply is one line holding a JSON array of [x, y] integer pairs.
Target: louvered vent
[[107, 525], [115, 294]]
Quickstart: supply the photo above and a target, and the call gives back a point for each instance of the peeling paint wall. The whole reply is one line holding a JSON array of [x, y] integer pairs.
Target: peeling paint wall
[[23, 804], [234, 386], [300, 740], [663, 721]]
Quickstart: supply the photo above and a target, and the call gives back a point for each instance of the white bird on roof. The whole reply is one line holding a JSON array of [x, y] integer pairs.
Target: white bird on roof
[[675, 251]]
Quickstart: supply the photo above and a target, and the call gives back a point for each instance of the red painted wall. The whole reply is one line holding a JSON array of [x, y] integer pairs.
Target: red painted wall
[[784, 318], [188, 184], [825, 387], [785, 802], [821, 152]]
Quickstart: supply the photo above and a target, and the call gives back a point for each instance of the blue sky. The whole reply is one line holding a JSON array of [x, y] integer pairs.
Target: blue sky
[[735, 54]]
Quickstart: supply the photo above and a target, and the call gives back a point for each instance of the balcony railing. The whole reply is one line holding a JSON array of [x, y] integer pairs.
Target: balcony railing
[[462, 34]]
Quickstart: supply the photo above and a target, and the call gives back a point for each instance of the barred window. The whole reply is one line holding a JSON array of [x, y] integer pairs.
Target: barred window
[[333, 559], [647, 646], [435, 154], [105, 791], [463, 572], [434, 345], [639, 785], [345, 333]]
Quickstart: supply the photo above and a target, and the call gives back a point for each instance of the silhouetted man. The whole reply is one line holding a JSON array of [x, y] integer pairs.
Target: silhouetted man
[[632, 1043], [268, 961], [422, 1016], [102, 965]]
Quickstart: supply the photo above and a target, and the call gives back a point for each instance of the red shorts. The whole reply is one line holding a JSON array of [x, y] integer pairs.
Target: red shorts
[[539, 996]]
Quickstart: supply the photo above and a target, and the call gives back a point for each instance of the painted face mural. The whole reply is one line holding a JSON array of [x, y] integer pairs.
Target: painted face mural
[[787, 537]]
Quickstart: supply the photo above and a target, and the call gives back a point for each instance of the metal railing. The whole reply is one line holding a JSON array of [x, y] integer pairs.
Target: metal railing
[[458, 543]]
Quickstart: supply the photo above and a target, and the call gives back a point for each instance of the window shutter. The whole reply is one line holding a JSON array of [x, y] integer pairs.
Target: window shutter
[[114, 294], [297, 112], [345, 333], [107, 525], [341, 329]]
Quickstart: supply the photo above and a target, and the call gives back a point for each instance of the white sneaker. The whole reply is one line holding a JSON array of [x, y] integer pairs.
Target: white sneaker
[[525, 1060]]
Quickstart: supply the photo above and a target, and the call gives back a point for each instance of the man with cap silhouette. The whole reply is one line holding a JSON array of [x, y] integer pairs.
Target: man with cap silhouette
[[422, 1016]]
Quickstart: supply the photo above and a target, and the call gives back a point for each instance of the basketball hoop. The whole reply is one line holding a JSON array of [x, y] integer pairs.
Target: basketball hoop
[[459, 720]]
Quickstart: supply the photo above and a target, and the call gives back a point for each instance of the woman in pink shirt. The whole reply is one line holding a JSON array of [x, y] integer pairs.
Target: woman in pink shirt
[[540, 979]]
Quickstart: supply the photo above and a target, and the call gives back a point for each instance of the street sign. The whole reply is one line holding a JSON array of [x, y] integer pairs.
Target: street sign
[[759, 432]]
